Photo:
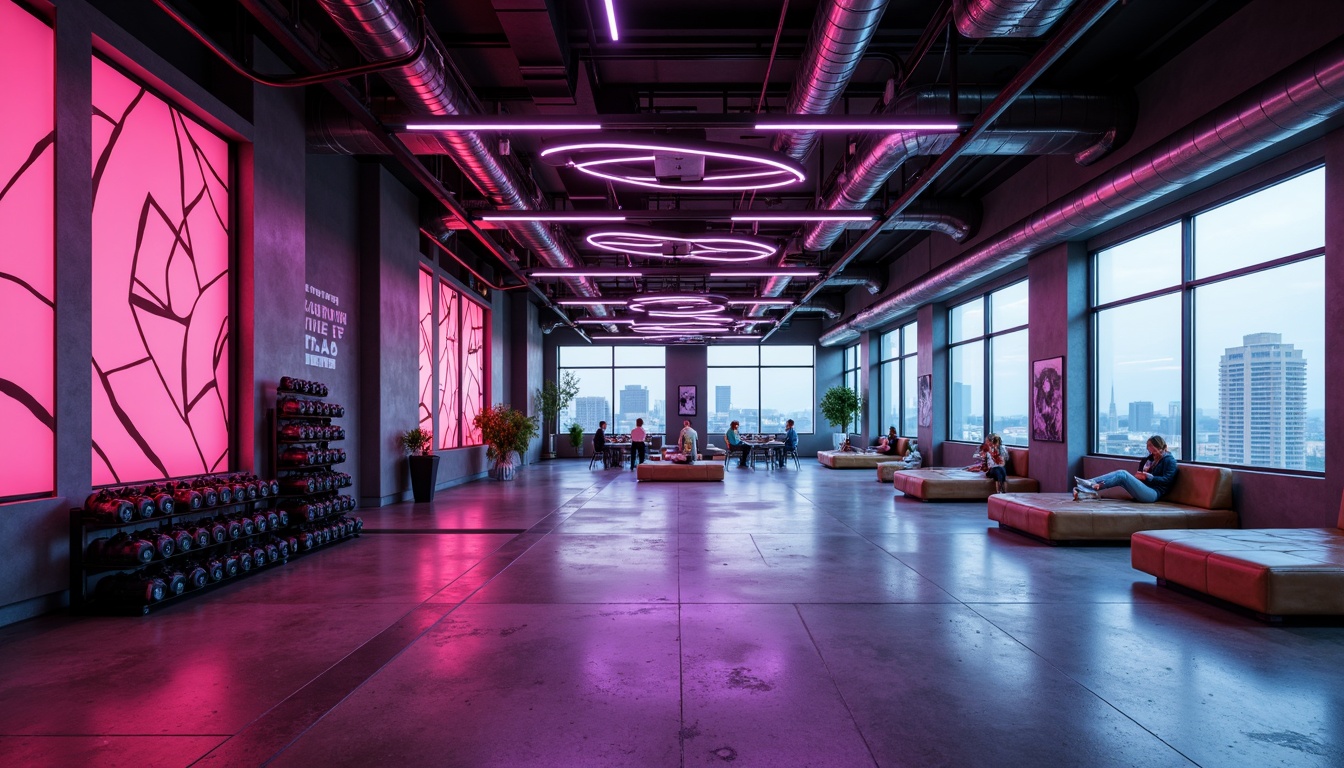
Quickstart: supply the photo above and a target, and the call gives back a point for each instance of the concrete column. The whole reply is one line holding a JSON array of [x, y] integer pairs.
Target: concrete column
[[1058, 323]]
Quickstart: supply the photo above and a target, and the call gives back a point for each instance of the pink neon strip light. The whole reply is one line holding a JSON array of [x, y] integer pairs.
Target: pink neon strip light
[[943, 127], [591, 302], [762, 302], [794, 273], [802, 217], [546, 217], [580, 273], [469, 126], [611, 20]]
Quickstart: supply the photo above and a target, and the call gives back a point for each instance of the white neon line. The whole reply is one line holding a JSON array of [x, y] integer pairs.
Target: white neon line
[[546, 217], [611, 20], [503, 127], [857, 127]]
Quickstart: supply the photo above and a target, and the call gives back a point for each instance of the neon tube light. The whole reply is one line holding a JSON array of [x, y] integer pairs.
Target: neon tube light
[[762, 302], [470, 126], [858, 126], [547, 217], [605, 321], [803, 217], [591, 302], [611, 20], [779, 273], [582, 273]]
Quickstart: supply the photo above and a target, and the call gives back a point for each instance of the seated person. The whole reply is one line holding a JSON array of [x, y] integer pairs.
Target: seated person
[[790, 440], [1152, 480], [992, 459], [686, 444], [847, 447], [600, 441], [887, 444], [913, 459], [737, 445]]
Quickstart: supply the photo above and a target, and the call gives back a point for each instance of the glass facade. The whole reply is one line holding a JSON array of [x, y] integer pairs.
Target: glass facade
[[616, 385], [898, 374], [761, 387], [987, 358]]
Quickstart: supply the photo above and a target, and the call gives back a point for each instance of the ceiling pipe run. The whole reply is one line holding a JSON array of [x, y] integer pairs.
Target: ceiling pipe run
[[1087, 126], [831, 309], [381, 29], [978, 19], [1298, 98], [841, 31]]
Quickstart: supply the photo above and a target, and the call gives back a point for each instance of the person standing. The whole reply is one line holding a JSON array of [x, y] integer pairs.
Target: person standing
[[790, 441], [686, 441], [737, 445], [637, 449], [1152, 480], [600, 443]]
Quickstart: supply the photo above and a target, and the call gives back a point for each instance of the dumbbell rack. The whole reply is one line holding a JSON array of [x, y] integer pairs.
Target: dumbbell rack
[[282, 470], [85, 573]]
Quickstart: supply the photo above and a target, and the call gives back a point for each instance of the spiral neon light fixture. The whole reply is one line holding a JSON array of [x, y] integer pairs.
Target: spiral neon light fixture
[[724, 249], [658, 163]]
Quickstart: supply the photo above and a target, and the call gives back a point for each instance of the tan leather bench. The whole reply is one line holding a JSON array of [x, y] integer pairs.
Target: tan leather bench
[[861, 460], [666, 471], [1201, 497], [1272, 571], [886, 471], [940, 484]]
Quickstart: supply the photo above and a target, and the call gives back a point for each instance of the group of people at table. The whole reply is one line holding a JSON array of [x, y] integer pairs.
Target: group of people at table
[[685, 450]]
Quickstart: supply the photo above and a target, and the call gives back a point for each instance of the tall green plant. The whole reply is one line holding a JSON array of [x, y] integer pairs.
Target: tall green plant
[[839, 406], [554, 397], [505, 430]]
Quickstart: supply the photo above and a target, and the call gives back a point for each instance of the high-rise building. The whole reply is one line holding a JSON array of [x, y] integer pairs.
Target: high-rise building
[[723, 398], [634, 399], [588, 411], [1141, 417], [1262, 402], [1114, 418]]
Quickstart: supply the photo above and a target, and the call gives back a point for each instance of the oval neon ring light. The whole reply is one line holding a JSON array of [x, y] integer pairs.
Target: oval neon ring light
[[680, 166], [701, 307], [665, 245]]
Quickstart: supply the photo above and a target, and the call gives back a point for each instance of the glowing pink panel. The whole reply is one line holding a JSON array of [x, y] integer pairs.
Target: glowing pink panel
[[473, 369], [27, 256], [450, 353], [160, 287], [426, 351]]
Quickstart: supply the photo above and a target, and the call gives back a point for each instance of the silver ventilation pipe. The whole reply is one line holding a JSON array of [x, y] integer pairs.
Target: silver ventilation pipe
[[383, 29], [958, 219], [1038, 123], [832, 310], [872, 280], [841, 31], [1302, 96], [1007, 18]]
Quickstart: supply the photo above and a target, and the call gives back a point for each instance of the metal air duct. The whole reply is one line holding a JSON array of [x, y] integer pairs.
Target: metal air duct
[[1038, 123], [1300, 97], [383, 29], [1007, 18], [840, 34]]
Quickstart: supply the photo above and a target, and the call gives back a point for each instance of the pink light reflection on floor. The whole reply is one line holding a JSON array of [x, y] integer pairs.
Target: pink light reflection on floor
[[161, 253], [27, 254]]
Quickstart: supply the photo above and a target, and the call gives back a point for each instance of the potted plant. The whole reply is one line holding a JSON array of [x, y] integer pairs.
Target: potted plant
[[576, 437], [505, 432], [551, 399], [419, 446], [839, 406]]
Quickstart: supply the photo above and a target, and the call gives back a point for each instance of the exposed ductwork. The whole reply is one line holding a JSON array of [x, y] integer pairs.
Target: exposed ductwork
[[1007, 18], [1300, 97], [1038, 123], [831, 309], [872, 280], [381, 29], [840, 34], [958, 219]]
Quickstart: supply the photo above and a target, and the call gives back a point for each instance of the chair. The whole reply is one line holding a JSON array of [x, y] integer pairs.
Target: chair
[[760, 452], [596, 455], [787, 452]]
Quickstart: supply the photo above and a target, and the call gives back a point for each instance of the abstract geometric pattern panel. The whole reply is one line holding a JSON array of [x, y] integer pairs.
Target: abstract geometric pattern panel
[[473, 369], [450, 355], [426, 417], [160, 334], [27, 255]]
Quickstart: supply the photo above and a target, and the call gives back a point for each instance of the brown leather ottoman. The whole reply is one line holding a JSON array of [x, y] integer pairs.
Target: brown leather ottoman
[[1272, 571], [666, 471], [947, 483]]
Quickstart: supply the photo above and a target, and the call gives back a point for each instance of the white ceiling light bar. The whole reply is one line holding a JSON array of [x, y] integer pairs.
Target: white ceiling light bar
[[592, 302], [761, 302], [605, 321], [566, 273], [803, 216], [611, 20], [566, 217], [492, 125], [770, 273]]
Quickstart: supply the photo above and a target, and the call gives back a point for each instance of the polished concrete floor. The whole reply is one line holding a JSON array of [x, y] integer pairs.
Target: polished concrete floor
[[792, 618]]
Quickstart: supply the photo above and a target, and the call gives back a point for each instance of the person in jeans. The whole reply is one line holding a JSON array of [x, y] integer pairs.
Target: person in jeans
[[686, 442], [993, 461], [637, 436], [790, 440], [737, 445], [600, 443], [1152, 480]]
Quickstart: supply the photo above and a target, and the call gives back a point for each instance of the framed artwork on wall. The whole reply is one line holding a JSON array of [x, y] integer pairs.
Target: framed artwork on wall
[[924, 400], [686, 400], [1047, 400]]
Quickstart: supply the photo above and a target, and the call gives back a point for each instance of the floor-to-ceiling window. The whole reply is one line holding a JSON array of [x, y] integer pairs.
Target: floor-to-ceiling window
[[987, 356], [898, 375], [761, 387], [616, 385], [1211, 332]]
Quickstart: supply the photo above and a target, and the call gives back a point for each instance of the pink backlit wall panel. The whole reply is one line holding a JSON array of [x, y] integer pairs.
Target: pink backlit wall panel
[[449, 365], [426, 417], [27, 255], [161, 287], [473, 369]]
